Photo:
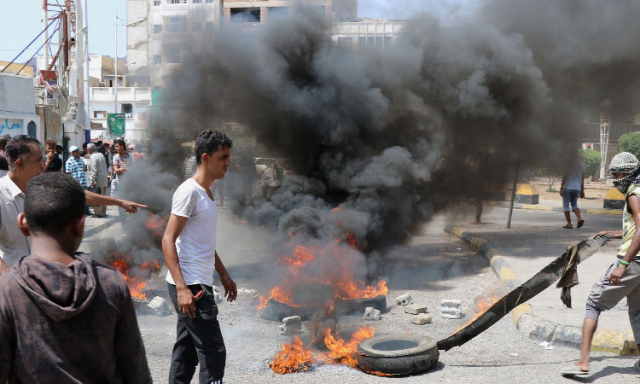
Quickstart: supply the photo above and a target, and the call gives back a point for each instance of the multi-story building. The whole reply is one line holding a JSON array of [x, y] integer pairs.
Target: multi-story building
[[133, 102], [366, 34], [160, 33]]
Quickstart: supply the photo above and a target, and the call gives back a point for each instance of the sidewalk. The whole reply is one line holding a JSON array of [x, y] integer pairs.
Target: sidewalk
[[534, 240], [586, 206]]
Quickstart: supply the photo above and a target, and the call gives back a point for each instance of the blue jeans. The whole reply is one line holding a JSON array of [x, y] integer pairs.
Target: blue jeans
[[570, 196]]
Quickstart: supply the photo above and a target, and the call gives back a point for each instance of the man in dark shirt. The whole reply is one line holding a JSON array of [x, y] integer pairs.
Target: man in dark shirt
[[4, 164], [65, 318], [53, 163]]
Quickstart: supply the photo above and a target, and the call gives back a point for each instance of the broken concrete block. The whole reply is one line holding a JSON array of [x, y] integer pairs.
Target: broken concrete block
[[159, 307], [450, 313], [292, 325], [248, 292], [421, 319], [404, 300], [415, 309], [450, 303], [217, 296], [371, 314]]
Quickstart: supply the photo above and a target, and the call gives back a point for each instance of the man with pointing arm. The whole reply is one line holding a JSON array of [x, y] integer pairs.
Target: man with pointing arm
[[189, 246]]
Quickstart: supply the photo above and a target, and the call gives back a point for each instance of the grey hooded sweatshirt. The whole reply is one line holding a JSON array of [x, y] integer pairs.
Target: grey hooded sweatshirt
[[68, 324]]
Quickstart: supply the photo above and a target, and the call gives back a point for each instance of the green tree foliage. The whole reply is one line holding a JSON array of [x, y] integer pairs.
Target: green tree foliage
[[630, 142], [591, 160], [551, 173]]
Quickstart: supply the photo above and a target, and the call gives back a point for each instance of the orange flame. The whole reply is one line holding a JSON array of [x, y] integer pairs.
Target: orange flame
[[293, 357], [482, 305], [346, 352], [137, 281], [156, 224], [340, 263]]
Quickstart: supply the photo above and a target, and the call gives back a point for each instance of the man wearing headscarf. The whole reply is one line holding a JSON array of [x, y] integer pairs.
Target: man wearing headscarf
[[622, 278]]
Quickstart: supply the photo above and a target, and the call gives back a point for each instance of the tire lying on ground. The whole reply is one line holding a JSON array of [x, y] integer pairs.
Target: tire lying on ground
[[397, 355]]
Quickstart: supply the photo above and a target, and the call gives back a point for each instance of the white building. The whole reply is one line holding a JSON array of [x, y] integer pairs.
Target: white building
[[133, 102], [363, 33], [155, 32], [18, 107]]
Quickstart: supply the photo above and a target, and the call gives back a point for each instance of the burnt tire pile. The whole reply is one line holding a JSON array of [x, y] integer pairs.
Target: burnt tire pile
[[397, 355]]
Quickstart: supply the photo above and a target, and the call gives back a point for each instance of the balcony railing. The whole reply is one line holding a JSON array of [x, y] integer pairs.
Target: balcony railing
[[124, 94]]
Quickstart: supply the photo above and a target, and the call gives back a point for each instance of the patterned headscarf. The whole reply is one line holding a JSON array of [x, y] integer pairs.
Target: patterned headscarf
[[627, 164]]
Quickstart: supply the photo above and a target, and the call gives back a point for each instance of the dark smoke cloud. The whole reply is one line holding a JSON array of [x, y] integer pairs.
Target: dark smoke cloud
[[383, 134]]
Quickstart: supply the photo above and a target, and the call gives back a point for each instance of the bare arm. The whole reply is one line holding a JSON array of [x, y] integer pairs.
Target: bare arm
[[230, 290], [174, 228], [612, 234], [95, 199], [634, 248], [564, 180]]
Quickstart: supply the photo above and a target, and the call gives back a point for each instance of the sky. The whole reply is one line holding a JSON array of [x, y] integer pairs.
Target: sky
[[22, 21]]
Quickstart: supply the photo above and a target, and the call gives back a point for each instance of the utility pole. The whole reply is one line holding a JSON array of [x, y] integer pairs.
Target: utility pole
[[116, 67], [85, 68], [45, 23]]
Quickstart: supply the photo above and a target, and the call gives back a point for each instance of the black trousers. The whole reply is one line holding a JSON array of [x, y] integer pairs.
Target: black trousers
[[199, 340]]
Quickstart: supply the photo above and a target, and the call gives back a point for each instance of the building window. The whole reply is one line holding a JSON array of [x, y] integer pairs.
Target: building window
[[177, 24], [209, 1], [157, 28], [197, 1], [100, 114], [156, 3], [209, 27], [245, 15], [196, 27], [157, 60], [174, 1], [345, 43], [32, 129], [127, 109], [174, 55]]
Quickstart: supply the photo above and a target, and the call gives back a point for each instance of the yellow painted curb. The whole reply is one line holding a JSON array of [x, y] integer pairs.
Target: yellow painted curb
[[614, 194], [507, 274], [476, 243], [457, 231], [521, 310], [604, 339], [605, 211], [527, 190], [537, 207]]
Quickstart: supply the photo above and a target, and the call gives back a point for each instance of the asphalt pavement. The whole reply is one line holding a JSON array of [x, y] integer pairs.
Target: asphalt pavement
[[432, 266]]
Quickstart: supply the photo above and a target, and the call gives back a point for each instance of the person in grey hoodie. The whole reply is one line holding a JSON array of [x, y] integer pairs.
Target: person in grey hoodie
[[65, 318]]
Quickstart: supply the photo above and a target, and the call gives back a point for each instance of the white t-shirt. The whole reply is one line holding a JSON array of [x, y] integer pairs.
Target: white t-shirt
[[196, 245]]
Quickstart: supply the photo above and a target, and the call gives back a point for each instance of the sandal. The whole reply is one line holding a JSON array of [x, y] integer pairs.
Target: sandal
[[567, 227], [573, 370], [580, 223]]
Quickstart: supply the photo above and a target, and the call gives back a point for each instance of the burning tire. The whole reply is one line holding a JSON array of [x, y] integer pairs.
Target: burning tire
[[349, 306], [397, 355]]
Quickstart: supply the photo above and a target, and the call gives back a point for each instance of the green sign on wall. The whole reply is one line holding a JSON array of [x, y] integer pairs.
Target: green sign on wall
[[115, 124]]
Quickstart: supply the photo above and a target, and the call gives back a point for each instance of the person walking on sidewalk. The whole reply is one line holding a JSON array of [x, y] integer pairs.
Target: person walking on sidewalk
[[122, 162], [572, 187], [189, 246], [98, 179], [622, 278]]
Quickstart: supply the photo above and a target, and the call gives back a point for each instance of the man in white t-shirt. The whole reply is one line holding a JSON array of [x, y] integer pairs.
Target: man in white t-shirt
[[189, 246]]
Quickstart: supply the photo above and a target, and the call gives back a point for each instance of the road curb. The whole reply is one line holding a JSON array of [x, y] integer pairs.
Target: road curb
[[535, 327], [537, 207]]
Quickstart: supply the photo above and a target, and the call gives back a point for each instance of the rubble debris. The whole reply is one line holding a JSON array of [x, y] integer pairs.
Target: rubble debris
[[450, 309], [159, 307], [421, 319], [217, 296], [292, 325], [404, 300], [247, 291], [371, 314], [415, 309]]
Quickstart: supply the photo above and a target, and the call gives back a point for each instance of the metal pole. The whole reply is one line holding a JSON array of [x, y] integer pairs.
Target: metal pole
[[513, 195], [87, 97], [46, 33], [116, 67]]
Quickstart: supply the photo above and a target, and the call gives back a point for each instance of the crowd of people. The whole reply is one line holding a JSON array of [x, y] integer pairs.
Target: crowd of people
[[65, 318]]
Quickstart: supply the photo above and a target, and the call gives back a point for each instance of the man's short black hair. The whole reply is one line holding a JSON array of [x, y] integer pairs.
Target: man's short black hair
[[52, 201], [208, 142], [121, 142], [20, 145]]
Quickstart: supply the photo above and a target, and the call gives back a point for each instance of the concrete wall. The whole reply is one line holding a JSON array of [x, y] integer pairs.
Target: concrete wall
[[136, 123], [17, 106]]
